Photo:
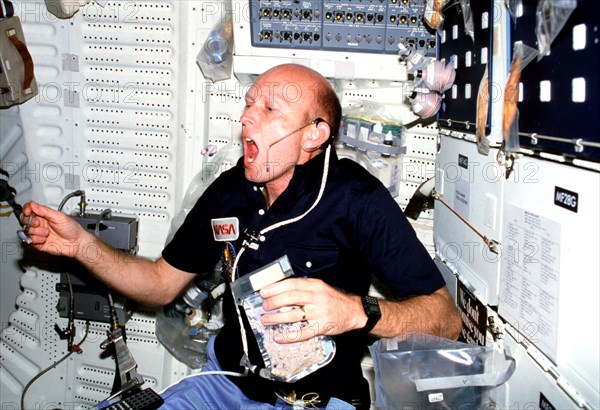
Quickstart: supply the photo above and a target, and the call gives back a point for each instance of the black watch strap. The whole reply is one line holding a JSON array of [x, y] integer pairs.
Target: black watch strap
[[371, 307]]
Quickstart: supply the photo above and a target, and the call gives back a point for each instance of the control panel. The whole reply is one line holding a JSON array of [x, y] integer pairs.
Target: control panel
[[371, 26]]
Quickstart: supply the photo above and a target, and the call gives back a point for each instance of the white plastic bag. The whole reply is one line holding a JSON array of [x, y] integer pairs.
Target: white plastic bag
[[428, 372]]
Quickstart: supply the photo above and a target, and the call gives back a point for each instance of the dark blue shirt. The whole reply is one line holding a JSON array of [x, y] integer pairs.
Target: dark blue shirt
[[356, 229]]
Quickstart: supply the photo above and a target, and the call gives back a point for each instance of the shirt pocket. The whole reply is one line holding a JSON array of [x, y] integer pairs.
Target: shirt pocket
[[311, 261]]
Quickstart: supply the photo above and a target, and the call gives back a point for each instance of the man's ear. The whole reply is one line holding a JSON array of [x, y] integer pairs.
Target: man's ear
[[318, 135]]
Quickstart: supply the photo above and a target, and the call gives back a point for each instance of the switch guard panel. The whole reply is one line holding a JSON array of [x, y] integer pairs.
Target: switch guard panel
[[361, 26]]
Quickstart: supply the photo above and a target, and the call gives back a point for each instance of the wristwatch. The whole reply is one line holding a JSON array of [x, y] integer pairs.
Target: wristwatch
[[371, 307]]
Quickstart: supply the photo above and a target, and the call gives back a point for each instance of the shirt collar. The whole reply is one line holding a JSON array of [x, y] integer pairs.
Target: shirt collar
[[312, 171]]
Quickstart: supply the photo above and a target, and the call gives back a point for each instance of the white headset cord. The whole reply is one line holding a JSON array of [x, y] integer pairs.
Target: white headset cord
[[270, 228]]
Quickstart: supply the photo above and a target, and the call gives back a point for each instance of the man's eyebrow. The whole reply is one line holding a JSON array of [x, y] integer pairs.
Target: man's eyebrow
[[276, 100]]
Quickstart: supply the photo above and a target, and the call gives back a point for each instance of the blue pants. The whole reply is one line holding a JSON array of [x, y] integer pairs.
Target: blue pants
[[217, 392]]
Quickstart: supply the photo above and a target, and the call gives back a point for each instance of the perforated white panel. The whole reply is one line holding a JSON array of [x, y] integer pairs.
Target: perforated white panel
[[121, 114], [107, 116], [226, 104], [12, 160], [126, 128]]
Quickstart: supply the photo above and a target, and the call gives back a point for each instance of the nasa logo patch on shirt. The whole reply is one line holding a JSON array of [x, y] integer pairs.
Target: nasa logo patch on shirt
[[225, 229]]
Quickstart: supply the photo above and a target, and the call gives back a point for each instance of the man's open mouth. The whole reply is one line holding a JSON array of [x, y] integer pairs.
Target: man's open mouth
[[250, 150]]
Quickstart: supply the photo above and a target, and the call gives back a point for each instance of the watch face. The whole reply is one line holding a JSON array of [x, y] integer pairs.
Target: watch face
[[371, 305]]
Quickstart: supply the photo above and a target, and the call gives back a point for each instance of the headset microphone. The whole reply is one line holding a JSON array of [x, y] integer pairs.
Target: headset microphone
[[315, 121]]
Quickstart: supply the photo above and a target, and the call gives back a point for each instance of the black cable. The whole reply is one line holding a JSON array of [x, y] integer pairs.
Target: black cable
[[82, 200], [8, 194], [40, 374], [71, 323], [70, 331]]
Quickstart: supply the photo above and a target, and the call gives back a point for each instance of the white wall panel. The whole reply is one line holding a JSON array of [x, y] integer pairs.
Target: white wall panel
[[549, 276], [472, 186], [122, 114], [531, 387]]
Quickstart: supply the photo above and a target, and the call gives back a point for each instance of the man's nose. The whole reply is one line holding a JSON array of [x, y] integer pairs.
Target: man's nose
[[247, 118]]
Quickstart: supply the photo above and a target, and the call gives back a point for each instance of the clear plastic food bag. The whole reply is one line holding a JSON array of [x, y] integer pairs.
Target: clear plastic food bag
[[522, 56], [433, 14], [428, 372], [287, 362], [551, 16]]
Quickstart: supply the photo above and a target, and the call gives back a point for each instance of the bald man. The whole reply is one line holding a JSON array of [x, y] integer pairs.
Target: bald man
[[289, 195]]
